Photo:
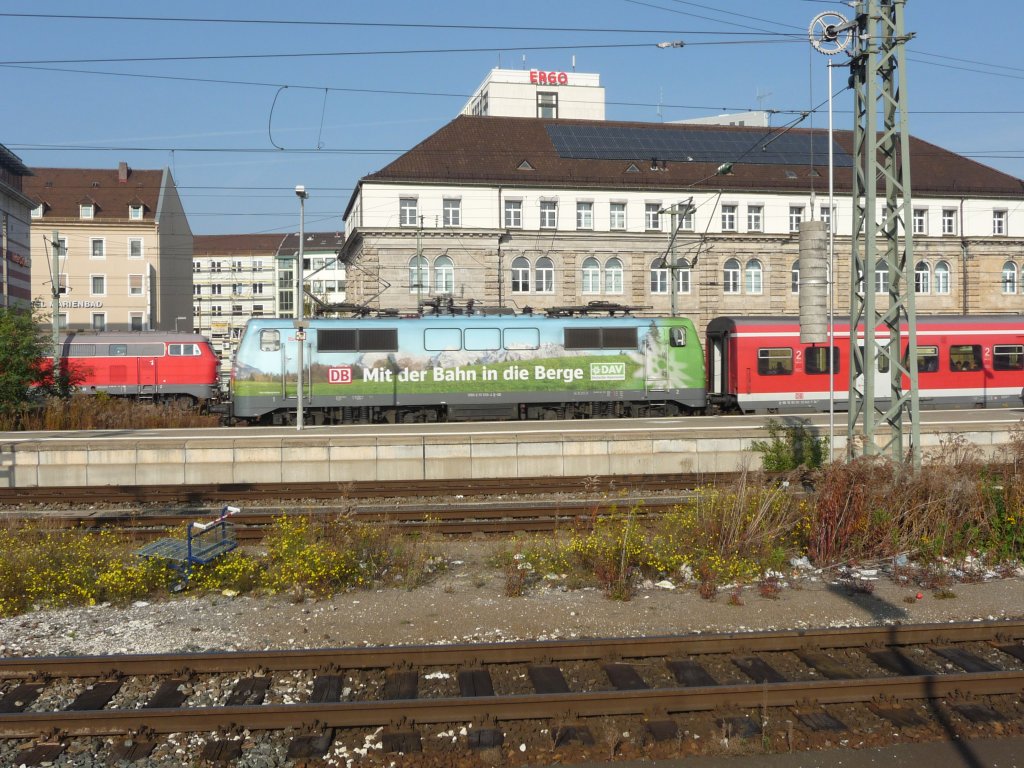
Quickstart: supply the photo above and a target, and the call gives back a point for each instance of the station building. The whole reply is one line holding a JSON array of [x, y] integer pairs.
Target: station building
[[535, 212]]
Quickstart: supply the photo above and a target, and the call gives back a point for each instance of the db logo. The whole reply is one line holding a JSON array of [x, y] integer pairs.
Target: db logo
[[340, 375]]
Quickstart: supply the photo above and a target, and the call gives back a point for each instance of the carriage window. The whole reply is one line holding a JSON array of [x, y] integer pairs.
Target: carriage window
[[816, 359], [1008, 357], [81, 350], [378, 340], [965, 357], [522, 338], [118, 350], [174, 350], [337, 340], [442, 339], [775, 361], [927, 359], [146, 350], [270, 341], [482, 339], [600, 338], [618, 338], [357, 340]]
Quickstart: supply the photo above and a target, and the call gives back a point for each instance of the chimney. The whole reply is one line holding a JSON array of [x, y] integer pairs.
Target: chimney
[[122, 172]]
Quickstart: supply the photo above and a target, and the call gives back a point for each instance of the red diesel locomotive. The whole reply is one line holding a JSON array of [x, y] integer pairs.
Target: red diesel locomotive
[[759, 365], [163, 366]]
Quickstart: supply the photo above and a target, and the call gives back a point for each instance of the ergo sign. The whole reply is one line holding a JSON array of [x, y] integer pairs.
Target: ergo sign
[[538, 77]]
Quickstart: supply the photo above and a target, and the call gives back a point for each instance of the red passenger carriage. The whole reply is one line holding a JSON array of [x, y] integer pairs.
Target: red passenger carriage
[[759, 365]]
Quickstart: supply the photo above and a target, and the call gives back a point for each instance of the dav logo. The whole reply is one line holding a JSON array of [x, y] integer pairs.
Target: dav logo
[[339, 375], [607, 371]]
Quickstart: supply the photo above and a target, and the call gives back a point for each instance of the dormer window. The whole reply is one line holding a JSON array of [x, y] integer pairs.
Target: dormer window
[[86, 210], [37, 212], [135, 212]]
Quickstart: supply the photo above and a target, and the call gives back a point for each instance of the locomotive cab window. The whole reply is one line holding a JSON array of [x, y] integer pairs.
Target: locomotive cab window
[[816, 359], [270, 341], [1008, 357], [183, 350], [600, 338], [677, 337], [775, 361], [118, 350], [965, 357]]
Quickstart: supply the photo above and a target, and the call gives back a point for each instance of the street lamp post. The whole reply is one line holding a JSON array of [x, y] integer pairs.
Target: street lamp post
[[300, 332]]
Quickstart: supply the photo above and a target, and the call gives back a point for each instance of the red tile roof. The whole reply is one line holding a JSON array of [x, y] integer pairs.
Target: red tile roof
[[62, 189]]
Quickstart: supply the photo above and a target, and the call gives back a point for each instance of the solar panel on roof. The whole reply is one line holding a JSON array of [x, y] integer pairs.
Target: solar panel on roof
[[684, 144]]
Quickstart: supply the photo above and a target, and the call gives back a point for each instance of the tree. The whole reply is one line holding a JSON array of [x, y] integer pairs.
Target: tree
[[24, 359]]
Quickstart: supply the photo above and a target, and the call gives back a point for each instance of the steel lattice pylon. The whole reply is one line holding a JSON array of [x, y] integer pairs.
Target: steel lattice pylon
[[882, 160]]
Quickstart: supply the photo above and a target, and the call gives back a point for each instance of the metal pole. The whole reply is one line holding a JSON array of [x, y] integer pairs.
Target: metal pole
[[300, 333], [55, 271], [674, 213], [830, 282]]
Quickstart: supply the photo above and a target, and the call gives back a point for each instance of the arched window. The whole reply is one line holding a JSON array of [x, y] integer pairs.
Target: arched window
[[444, 274], [659, 276], [942, 278], [922, 277], [545, 275], [591, 275], [613, 276], [1009, 277], [881, 277], [520, 274], [754, 277], [682, 276], [731, 276], [419, 275], [794, 277]]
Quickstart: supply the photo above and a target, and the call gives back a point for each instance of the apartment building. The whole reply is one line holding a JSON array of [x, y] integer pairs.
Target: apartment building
[[15, 207], [124, 248]]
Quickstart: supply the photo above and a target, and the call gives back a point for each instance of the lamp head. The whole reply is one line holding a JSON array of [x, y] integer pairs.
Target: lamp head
[[300, 191]]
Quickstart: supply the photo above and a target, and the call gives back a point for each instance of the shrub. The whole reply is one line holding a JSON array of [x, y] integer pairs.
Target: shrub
[[790, 447]]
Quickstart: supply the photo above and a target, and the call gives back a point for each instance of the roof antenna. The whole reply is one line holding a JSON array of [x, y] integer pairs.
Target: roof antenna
[[661, 96], [524, 61], [574, 62]]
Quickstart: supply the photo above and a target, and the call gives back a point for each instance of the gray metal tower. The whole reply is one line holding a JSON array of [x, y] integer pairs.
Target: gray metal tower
[[882, 254]]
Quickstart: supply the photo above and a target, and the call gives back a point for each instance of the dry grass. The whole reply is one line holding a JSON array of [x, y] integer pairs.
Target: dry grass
[[103, 412]]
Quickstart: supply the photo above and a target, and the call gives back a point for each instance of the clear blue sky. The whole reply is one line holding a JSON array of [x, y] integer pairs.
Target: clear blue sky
[[215, 122]]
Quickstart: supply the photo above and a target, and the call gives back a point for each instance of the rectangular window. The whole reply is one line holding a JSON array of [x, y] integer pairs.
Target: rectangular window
[[998, 222], [257, 310], [584, 215], [965, 357], [85, 211], [37, 212], [927, 359], [98, 285], [134, 247], [796, 217], [214, 266], [62, 321], [816, 359], [97, 248], [452, 212], [600, 338], [652, 217], [135, 212], [196, 267], [197, 290], [617, 216], [482, 339], [775, 361], [257, 289], [547, 105], [949, 221], [136, 319], [521, 338], [357, 340], [755, 218], [134, 285], [257, 266], [513, 214], [920, 226], [407, 212], [216, 289], [548, 214], [1008, 357], [728, 218], [826, 217], [99, 321], [237, 266], [236, 309], [442, 339]]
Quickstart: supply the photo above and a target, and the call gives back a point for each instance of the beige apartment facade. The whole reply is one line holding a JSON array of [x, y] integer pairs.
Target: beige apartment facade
[[15, 272], [124, 249]]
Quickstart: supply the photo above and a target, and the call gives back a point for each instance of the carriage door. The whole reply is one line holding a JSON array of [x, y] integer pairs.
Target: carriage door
[[147, 371], [882, 383]]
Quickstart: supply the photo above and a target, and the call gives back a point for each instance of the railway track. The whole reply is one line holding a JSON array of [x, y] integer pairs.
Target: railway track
[[234, 492], [639, 697], [457, 518]]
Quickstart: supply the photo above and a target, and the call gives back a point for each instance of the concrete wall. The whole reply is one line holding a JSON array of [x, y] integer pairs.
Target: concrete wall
[[273, 459]]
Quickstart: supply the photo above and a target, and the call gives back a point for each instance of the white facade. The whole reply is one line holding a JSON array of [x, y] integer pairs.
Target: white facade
[[756, 118], [538, 93]]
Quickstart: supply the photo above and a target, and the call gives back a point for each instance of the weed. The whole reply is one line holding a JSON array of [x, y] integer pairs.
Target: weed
[[945, 593], [770, 588], [790, 447], [736, 598]]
